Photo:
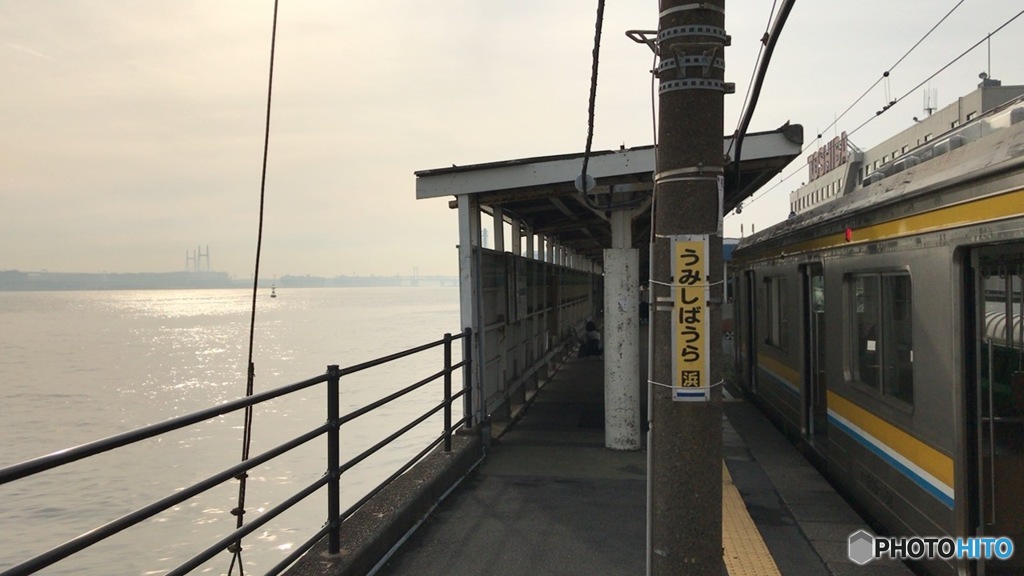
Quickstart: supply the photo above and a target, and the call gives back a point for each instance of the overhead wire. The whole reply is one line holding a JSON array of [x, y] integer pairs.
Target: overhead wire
[[918, 43], [888, 72], [943, 69], [239, 510], [908, 93], [777, 26], [753, 74], [884, 76]]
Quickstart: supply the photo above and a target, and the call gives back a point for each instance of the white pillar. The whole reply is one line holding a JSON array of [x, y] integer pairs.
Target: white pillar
[[469, 236], [499, 229], [518, 327], [517, 237], [621, 335]]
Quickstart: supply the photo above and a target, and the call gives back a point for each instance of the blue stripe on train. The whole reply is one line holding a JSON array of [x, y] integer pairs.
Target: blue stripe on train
[[903, 469]]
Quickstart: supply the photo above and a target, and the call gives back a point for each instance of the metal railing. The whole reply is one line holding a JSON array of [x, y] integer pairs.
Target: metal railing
[[331, 478]]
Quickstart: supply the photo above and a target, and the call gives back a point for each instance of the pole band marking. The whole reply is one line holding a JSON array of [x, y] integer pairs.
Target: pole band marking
[[688, 7]]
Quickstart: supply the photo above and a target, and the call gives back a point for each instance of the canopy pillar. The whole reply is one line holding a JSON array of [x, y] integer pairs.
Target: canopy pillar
[[622, 335]]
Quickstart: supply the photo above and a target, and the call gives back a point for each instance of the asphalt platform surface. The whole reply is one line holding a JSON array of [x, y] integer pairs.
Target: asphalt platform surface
[[550, 499]]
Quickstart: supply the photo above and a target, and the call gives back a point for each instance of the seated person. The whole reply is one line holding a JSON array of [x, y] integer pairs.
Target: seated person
[[591, 345]]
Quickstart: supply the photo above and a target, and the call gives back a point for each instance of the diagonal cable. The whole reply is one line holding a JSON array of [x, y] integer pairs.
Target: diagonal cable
[[943, 69], [904, 96], [889, 70], [753, 75], [239, 511]]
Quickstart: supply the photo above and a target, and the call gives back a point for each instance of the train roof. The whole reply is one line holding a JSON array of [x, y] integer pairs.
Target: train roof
[[989, 144], [838, 167]]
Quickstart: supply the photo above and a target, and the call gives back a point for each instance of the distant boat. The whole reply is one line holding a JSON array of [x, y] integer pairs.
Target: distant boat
[[273, 291]]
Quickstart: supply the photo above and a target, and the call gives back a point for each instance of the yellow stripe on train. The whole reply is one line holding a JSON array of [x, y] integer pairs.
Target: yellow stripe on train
[[928, 459], [977, 211], [922, 456], [784, 374]]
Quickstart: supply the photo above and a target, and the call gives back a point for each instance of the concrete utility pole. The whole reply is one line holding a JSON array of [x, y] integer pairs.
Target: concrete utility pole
[[686, 267]]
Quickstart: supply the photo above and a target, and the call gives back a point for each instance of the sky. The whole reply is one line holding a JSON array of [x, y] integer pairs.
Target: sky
[[133, 132]]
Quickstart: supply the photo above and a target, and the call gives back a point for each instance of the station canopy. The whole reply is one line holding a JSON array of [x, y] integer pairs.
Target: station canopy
[[542, 194]]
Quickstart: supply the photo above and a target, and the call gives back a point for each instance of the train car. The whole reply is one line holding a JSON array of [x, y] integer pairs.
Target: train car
[[881, 329]]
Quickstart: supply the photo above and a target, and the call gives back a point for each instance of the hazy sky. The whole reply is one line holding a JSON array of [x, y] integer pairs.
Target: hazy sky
[[133, 131]]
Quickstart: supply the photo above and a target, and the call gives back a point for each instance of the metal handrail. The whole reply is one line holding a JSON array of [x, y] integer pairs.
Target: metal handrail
[[67, 456], [331, 477]]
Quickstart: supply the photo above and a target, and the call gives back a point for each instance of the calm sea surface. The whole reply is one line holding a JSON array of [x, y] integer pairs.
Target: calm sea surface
[[80, 366]]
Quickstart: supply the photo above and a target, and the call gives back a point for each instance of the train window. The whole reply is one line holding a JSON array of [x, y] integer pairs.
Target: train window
[[899, 362], [865, 314], [883, 354], [775, 306]]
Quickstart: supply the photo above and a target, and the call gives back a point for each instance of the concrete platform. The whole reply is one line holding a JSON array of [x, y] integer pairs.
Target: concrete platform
[[804, 523], [550, 500]]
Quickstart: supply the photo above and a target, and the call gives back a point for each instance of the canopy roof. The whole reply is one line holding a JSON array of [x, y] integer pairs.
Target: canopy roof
[[541, 191]]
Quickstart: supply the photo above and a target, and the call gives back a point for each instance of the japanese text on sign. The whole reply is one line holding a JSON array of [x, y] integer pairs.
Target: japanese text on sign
[[691, 362]]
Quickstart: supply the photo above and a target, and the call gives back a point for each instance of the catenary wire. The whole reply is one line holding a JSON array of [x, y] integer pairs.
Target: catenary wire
[[877, 114], [753, 74], [861, 97], [888, 71], [762, 70], [943, 69]]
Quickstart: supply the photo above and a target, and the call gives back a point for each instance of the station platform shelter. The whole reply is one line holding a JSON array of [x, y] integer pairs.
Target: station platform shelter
[[561, 257]]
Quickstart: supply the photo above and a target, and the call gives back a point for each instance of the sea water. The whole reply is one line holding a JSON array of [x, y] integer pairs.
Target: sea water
[[80, 366]]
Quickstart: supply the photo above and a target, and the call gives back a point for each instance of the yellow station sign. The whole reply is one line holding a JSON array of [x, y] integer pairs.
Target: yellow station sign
[[691, 360]]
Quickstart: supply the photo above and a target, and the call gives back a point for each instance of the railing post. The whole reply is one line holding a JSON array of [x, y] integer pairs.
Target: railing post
[[447, 392], [333, 460], [467, 376]]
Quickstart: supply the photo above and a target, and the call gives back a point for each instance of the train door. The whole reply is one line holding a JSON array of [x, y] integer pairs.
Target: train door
[[748, 331], [997, 494], [815, 394]]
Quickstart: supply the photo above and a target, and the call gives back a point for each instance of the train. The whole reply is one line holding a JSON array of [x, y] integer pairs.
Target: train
[[880, 325]]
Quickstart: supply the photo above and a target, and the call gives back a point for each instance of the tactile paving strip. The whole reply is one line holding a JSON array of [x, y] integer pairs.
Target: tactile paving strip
[[744, 550]]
